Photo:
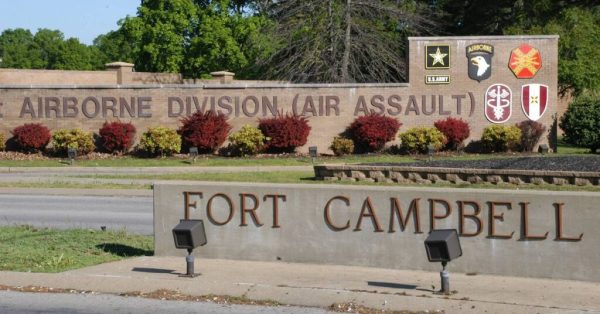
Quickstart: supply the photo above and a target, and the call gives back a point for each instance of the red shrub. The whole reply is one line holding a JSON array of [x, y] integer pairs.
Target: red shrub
[[371, 132], [31, 137], [285, 133], [207, 131], [117, 136], [455, 130], [531, 132]]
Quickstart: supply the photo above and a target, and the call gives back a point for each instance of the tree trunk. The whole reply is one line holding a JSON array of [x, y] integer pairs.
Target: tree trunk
[[332, 51], [347, 44]]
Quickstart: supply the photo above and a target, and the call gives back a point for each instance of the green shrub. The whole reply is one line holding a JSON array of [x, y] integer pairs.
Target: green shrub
[[160, 141], [342, 146], [248, 140], [416, 140], [581, 122], [82, 141], [501, 138], [2, 142]]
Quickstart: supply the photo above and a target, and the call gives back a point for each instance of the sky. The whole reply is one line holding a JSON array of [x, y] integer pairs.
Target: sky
[[82, 19]]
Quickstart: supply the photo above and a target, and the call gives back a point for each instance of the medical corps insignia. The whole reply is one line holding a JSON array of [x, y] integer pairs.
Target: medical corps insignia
[[525, 61], [534, 100], [498, 103], [480, 61]]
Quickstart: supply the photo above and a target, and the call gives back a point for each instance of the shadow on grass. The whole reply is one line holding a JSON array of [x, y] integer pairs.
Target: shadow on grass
[[123, 250], [308, 179]]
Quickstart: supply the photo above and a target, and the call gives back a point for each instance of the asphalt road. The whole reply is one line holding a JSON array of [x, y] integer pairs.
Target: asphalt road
[[55, 303], [133, 214]]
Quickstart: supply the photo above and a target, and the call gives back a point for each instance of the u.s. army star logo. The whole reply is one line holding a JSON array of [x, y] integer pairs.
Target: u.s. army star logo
[[437, 57]]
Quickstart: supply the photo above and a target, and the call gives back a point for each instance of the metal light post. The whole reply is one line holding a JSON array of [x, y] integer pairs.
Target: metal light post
[[193, 153], [189, 234], [72, 153], [443, 246], [430, 151], [312, 151]]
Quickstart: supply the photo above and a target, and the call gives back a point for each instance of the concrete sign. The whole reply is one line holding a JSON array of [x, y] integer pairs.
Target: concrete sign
[[516, 233]]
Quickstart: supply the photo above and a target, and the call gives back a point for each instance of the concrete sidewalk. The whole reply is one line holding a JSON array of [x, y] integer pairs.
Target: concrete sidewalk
[[323, 285]]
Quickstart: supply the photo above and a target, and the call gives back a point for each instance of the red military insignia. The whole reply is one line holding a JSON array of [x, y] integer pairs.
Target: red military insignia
[[525, 61], [534, 100], [498, 103]]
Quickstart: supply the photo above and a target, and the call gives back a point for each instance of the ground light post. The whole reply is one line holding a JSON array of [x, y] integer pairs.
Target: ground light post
[[189, 234], [72, 154], [443, 246], [312, 151], [193, 154]]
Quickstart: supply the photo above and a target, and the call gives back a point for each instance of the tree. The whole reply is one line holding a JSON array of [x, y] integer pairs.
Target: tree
[[18, 50], [343, 40], [160, 33], [114, 46], [49, 43], [578, 60], [223, 40], [478, 17]]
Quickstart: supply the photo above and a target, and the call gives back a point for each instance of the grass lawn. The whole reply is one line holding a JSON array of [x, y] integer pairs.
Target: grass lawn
[[29, 249], [205, 161], [307, 177]]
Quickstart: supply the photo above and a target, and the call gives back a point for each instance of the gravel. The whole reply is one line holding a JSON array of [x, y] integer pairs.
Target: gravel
[[560, 163]]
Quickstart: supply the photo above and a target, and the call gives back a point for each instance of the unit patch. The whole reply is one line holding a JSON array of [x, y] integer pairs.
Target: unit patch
[[525, 61], [480, 61], [437, 79], [498, 103], [534, 100], [437, 57]]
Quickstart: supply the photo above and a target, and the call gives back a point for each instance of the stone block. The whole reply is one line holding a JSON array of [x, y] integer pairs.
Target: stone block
[[376, 174], [474, 179], [357, 174], [515, 180], [495, 179], [454, 178], [560, 181], [582, 181], [537, 180]]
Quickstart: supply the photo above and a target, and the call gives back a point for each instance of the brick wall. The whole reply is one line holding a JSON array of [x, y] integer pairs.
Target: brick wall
[[329, 107]]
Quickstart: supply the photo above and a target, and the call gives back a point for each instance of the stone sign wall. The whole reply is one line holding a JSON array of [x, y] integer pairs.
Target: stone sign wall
[[483, 80], [516, 233]]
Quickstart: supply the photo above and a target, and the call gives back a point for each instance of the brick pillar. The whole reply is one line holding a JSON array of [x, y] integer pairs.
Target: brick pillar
[[223, 76], [122, 68]]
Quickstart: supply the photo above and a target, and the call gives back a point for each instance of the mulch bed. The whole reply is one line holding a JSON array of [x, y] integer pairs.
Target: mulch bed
[[548, 163]]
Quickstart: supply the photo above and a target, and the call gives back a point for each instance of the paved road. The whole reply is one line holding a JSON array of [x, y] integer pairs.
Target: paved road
[[35, 303], [115, 212]]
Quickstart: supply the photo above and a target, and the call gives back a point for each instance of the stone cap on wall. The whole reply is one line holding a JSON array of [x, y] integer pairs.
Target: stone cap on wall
[[223, 76], [491, 37], [115, 66]]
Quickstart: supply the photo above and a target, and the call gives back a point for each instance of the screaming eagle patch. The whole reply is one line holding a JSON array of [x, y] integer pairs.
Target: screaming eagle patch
[[480, 61]]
